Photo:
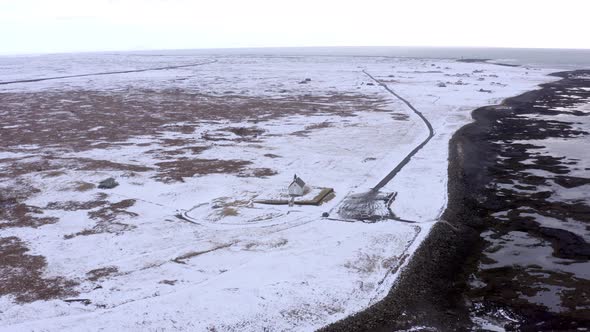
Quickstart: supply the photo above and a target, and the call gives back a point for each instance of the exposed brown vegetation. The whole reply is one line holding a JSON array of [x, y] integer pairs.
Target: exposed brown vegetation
[[316, 126], [245, 131], [168, 142], [244, 134], [227, 207], [177, 170], [400, 116], [113, 210], [183, 258], [80, 186], [87, 164], [83, 120], [12, 168], [54, 165], [78, 120], [168, 282], [273, 244], [184, 152], [257, 172], [15, 213], [101, 273], [21, 274], [73, 205], [107, 217], [364, 263], [229, 211], [52, 174], [22, 215]]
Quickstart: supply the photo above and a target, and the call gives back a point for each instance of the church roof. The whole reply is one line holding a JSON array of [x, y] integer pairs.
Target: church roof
[[297, 180]]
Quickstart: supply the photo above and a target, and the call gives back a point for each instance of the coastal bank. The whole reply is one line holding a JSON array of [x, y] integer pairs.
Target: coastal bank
[[509, 196]]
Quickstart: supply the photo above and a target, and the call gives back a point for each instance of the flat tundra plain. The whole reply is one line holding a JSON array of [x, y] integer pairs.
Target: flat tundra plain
[[207, 139]]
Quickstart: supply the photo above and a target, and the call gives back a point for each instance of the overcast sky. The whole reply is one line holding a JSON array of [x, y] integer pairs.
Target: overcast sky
[[46, 26]]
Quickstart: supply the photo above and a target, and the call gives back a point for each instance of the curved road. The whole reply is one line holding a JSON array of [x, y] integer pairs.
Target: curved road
[[31, 80], [365, 206], [403, 163]]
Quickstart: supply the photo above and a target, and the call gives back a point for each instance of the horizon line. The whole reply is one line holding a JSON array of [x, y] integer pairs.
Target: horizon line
[[287, 47]]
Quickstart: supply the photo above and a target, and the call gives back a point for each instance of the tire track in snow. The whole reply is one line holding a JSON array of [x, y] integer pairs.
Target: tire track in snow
[[32, 80]]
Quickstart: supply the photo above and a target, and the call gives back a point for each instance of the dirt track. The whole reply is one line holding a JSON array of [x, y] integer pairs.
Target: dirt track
[[407, 159], [365, 206], [107, 73]]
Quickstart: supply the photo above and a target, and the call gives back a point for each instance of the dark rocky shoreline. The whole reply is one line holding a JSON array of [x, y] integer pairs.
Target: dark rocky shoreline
[[492, 192]]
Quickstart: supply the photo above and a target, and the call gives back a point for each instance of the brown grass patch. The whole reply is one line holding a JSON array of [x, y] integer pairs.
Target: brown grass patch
[[15, 213], [173, 154], [168, 142], [113, 210], [74, 205], [21, 275], [390, 262], [225, 206], [14, 168], [243, 135], [87, 164], [257, 172], [229, 212], [168, 282], [365, 263], [108, 118], [195, 149], [22, 215], [400, 116], [279, 243], [246, 131], [53, 166], [274, 244], [312, 127], [106, 219], [101, 273], [270, 155], [215, 137], [177, 170], [183, 258], [52, 174], [83, 120], [80, 186]]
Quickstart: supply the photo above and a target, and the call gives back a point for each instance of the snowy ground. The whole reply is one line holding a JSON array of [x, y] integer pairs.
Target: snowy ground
[[212, 139]]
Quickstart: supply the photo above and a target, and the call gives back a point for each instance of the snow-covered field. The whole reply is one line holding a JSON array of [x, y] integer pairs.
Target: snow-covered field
[[211, 140]]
